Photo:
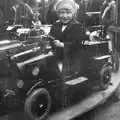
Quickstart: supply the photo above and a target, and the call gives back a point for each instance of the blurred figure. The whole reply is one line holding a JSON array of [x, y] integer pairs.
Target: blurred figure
[[37, 15], [37, 23], [51, 16], [108, 18], [108, 12], [23, 13]]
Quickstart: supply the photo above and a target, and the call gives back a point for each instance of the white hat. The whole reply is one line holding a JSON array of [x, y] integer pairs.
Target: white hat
[[66, 4]]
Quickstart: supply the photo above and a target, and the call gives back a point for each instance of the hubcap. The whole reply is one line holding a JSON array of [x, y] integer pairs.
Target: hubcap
[[106, 79], [39, 106]]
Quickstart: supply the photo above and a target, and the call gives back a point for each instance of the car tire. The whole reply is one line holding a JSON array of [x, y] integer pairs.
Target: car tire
[[115, 61], [105, 77], [37, 105]]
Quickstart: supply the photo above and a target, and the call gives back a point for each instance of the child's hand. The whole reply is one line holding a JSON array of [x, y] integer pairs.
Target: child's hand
[[57, 43]]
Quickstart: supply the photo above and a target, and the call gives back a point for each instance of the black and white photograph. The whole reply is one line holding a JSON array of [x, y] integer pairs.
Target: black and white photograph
[[59, 60]]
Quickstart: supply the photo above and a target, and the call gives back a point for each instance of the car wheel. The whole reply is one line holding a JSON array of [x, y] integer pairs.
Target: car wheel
[[38, 104], [105, 77], [115, 61], [13, 36]]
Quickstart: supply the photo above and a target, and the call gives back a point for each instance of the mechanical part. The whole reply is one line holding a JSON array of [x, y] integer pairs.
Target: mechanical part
[[105, 77], [9, 92], [38, 104]]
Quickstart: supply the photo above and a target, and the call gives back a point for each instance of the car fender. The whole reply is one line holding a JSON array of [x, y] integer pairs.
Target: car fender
[[107, 64], [35, 86]]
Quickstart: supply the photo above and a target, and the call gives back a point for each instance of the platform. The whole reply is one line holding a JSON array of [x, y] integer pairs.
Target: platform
[[89, 102]]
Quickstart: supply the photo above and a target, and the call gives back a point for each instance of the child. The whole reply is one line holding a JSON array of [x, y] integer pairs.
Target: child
[[68, 32]]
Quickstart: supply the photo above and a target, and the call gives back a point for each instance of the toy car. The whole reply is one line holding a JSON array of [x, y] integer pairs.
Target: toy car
[[12, 31], [17, 31], [32, 77]]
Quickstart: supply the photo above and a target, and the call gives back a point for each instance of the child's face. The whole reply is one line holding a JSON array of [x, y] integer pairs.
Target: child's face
[[65, 16]]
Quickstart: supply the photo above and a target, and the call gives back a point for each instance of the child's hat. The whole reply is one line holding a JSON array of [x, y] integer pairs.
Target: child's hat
[[66, 4]]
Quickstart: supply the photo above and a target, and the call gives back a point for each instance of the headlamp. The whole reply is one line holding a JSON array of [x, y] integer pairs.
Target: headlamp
[[20, 84], [35, 71]]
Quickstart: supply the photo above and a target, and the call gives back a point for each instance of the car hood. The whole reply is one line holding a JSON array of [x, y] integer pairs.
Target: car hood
[[15, 47], [22, 52]]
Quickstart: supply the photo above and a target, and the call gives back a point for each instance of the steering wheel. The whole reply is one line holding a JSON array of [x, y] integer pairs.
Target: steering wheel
[[49, 39]]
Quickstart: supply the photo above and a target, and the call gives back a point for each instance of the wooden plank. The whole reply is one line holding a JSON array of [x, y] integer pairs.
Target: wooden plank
[[76, 81], [90, 102]]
